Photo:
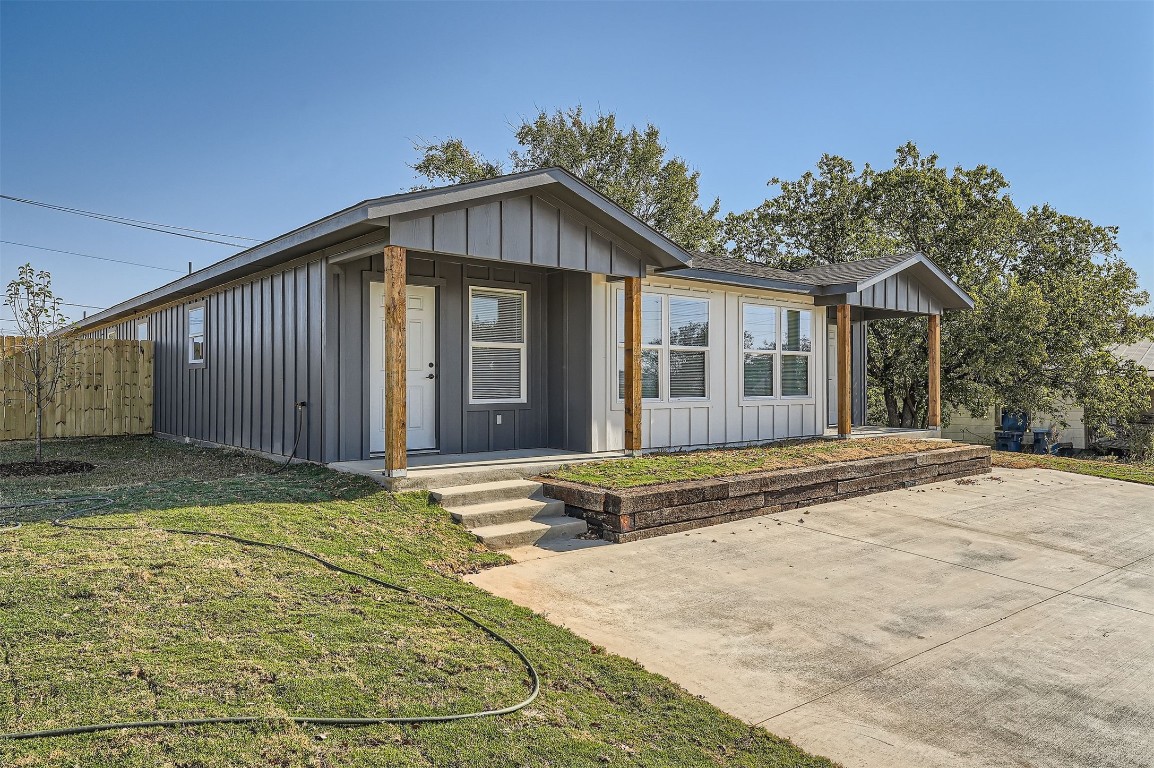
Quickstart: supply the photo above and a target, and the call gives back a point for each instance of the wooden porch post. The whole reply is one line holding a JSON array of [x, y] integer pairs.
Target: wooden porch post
[[633, 366], [396, 406], [934, 415], [844, 372]]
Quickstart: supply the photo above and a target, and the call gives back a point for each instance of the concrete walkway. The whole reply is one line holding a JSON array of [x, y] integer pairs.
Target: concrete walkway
[[1006, 620]]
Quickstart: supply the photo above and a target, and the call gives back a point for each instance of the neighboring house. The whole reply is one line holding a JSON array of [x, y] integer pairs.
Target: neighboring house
[[512, 294], [969, 429]]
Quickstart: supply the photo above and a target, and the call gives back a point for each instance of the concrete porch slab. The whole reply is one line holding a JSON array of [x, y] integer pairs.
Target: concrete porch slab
[[434, 470]]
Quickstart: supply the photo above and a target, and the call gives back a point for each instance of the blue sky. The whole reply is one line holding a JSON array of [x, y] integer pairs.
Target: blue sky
[[254, 118]]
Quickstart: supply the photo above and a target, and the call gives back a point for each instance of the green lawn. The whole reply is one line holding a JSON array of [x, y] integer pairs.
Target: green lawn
[[657, 468], [1113, 470], [145, 625]]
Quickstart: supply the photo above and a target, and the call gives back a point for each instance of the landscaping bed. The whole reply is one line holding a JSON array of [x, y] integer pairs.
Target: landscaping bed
[[638, 512], [657, 468]]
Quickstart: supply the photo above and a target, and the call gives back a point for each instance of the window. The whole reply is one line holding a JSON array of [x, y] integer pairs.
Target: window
[[674, 346], [759, 345], [496, 346], [196, 334], [688, 346], [796, 337], [770, 359], [110, 334], [142, 330]]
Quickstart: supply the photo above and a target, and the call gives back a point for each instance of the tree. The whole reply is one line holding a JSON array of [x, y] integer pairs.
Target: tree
[[629, 166], [43, 352], [1051, 292]]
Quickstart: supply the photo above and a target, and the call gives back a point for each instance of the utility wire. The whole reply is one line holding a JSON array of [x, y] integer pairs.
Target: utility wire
[[93, 503], [165, 228], [89, 256]]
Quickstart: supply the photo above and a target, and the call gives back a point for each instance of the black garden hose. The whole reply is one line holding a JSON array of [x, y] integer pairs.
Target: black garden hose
[[100, 502]]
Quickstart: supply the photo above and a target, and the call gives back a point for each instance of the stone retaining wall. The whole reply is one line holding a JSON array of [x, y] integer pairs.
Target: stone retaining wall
[[639, 513]]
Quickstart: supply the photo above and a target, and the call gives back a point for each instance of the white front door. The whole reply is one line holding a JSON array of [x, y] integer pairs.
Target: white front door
[[421, 386], [831, 373]]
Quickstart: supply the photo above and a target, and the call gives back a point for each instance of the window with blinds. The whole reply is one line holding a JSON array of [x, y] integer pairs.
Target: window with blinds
[[777, 345], [497, 370], [688, 345], [674, 346], [759, 347], [796, 346]]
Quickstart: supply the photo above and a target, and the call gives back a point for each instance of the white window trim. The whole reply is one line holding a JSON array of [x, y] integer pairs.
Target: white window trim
[[664, 348], [808, 355], [771, 353], [778, 353], [147, 326], [523, 346], [189, 336]]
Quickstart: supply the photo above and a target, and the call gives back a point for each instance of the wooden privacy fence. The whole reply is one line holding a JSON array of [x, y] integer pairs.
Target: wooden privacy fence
[[107, 390]]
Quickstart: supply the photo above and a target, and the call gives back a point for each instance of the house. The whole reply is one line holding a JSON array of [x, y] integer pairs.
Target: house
[[1068, 425], [526, 312]]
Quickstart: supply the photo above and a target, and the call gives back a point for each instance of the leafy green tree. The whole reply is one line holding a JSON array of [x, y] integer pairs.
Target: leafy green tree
[[1052, 294], [43, 353], [630, 166]]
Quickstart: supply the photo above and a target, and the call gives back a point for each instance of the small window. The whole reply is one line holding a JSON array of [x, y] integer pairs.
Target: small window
[[196, 334], [142, 330], [497, 366], [111, 334]]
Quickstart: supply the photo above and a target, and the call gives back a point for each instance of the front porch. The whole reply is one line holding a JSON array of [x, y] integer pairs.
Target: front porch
[[434, 470]]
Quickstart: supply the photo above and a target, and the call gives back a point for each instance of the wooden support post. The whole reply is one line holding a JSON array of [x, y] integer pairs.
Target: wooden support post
[[844, 372], [633, 366], [396, 406], [934, 415]]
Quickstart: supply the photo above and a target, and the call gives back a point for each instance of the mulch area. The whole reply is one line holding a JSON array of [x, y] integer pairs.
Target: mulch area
[[36, 469]]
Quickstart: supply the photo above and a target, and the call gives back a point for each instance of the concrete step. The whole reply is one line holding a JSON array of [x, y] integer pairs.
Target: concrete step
[[527, 532], [482, 493], [501, 512]]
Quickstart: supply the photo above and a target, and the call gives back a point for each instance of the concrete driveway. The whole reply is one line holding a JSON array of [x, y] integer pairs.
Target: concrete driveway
[[1002, 621]]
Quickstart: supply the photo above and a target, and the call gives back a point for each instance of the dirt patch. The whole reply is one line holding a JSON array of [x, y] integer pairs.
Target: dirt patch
[[36, 469]]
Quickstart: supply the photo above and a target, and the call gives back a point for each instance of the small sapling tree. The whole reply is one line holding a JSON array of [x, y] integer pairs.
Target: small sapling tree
[[43, 352]]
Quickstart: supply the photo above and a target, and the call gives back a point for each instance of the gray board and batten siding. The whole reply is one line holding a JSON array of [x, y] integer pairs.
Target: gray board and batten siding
[[302, 335], [528, 229], [556, 412]]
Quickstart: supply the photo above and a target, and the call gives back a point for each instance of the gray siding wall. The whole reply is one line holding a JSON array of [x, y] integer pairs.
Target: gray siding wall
[[859, 340], [901, 293], [530, 229], [556, 413], [264, 352]]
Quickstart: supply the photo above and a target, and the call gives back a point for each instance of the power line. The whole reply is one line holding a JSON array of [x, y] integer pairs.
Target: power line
[[149, 225], [89, 256]]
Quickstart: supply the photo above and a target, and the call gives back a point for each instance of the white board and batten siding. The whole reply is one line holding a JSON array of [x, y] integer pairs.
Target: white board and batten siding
[[724, 416]]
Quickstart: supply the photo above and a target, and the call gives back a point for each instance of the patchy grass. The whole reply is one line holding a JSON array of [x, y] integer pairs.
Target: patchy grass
[[1112, 470], [618, 474], [141, 624]]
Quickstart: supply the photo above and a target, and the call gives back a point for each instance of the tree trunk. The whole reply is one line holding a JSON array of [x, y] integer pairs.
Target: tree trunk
[[893, 418], [910, 410], [39, 434]]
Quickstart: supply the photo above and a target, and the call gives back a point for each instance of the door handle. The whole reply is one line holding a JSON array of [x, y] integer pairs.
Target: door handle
[[431, 376]]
